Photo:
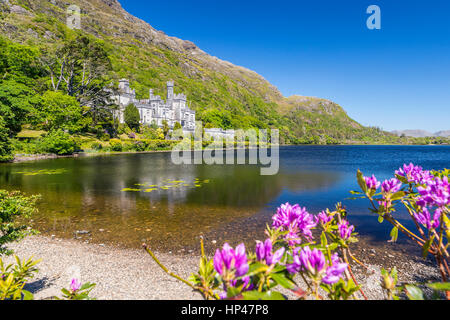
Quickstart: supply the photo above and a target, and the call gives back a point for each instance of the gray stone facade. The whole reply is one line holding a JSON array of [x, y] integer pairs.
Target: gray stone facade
[[155, 110]]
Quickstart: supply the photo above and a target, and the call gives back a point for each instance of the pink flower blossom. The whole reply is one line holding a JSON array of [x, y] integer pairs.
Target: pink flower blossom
[[75, 285], [372, 182], [345, 230], [296, 221], [230, 260]]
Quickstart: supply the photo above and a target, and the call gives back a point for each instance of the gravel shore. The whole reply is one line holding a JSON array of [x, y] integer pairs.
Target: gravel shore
[[127, 274], [120, 274]]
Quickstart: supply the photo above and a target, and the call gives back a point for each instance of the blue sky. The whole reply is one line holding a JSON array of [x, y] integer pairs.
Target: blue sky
[[396, 78]]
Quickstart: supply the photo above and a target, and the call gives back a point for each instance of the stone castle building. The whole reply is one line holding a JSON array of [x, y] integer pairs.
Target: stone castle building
[[155, 109]]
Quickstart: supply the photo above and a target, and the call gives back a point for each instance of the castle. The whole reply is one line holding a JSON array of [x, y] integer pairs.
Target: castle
[[156, 110]]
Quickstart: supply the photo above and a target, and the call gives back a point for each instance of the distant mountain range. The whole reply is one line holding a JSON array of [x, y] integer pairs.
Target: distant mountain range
[[422, 133]]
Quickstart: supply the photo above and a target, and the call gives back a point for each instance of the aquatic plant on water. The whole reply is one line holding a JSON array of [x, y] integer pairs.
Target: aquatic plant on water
[[292, 253]]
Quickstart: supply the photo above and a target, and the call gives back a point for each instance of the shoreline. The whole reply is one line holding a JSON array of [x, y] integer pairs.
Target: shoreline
[[131, 274]]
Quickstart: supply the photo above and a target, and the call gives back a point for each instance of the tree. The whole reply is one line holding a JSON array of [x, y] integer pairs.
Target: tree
[[80, 67], [17, 103], [59, 142], [60, 111], [132, 117], [177, 126], [19, 62], [166, 128], [5, 143]]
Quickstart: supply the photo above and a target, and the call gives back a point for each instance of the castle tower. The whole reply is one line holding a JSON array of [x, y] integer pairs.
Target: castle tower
[[170, 85], [124, 85]]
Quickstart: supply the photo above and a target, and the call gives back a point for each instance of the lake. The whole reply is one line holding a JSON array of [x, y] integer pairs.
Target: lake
[[128, 199]]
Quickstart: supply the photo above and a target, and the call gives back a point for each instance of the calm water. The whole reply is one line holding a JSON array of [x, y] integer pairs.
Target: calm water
[[128, 199]]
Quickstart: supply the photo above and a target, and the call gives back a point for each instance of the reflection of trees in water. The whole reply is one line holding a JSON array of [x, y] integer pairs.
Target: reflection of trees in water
[[87, 196]]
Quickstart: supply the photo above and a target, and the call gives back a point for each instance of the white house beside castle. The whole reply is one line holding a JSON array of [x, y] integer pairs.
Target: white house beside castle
[[156, 110]]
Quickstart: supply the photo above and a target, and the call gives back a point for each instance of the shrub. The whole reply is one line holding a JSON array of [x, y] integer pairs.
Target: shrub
[[78, 291], [291, 251], [132, 117], [59, 142], [115, 145], [105, 137], [60, 111], [13, 279], [426, 197], [14, 205], [96, 146], [139, 146]]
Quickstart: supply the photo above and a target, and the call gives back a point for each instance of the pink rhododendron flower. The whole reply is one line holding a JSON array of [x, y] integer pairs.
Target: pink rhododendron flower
[[264, 253], [314, 263], [296, 221], [372, 182], [75, 285], [228, 259], [345, 230]]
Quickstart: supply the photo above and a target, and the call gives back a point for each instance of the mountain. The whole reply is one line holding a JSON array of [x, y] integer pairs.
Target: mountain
[[422, 133], [222, 94], [414, 133], [444, 134]]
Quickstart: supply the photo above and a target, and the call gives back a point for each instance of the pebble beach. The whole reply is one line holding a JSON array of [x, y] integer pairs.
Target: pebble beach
[[131, 274]]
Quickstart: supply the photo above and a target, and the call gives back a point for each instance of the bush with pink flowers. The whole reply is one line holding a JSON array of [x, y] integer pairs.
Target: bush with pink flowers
[[310, 255]]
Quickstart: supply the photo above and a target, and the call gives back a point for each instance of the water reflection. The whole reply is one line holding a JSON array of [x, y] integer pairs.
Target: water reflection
[[222, 202]]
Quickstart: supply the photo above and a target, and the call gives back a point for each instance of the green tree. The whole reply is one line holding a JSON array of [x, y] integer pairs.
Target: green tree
[[132, 117], [59, 142], [61, 111], [5, 142], [19, 62], [80, 67], [166, 128], [177, 126], [17, 103]]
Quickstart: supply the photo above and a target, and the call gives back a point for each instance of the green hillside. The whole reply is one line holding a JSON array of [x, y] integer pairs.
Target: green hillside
[[222, 94]]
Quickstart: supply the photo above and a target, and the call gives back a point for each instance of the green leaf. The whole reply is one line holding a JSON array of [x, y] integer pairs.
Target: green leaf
[[402, 179], [413, 292], [27, 295], [361, 181], [426, 247], [268, 295], [398, 195], [394, 234], [447, 225], [256, 268], [283, 281], [87, 286], [380, 219], [440, 286], [323, 239], [233, 292]]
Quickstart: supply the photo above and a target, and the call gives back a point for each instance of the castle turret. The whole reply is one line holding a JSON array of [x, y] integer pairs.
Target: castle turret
[[124, 85], [170, 85]]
